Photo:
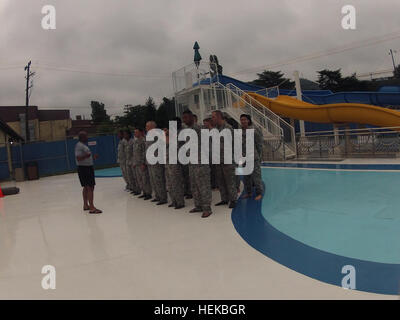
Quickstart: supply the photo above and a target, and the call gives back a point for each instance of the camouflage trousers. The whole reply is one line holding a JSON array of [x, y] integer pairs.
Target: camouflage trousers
[[143, 179], [157, 181], [212, 176], [226, 181], [254, 180], [132, 179], [124, 173], [201, 186], [186, 178], [175, 183]]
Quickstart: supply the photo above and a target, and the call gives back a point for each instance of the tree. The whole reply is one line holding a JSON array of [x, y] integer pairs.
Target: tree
[[353, 84], [269, 79], [150, 110], [333, 80], [99, 113], [165, 112], [329, 80], [133, 116], [137, 116], [397, 72]]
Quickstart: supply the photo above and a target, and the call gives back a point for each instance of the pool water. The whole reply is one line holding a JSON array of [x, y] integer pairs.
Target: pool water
[[349, 213], [108, 173]]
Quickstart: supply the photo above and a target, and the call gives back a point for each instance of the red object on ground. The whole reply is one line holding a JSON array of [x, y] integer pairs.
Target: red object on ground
[[1, 194]]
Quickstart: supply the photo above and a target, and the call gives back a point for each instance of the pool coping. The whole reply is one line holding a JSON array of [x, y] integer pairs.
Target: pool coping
[[334, 166]]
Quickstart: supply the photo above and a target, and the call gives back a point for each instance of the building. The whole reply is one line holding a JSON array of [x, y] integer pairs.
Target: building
[[81, 125], [44, 125], [8, 136]]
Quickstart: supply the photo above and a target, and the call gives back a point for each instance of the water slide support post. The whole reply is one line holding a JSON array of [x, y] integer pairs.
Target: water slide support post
[[296, 75], [336, 133]]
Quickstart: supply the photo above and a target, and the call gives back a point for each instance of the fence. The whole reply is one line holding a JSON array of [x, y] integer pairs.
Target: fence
[[371, 143], [57, 157], [330, 145]]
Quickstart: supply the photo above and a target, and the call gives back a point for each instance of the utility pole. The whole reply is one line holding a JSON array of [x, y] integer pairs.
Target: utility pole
[[29, 74], [392, 52]]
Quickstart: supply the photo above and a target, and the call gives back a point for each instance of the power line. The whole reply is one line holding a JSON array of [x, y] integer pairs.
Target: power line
[[62, 69], [11, 67], [368, 74], [332, 51]]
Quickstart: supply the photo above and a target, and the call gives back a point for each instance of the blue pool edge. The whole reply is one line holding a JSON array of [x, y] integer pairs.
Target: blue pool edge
[[373, 277]]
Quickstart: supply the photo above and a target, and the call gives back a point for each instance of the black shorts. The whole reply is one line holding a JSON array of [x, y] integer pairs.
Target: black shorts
[[86, 176]]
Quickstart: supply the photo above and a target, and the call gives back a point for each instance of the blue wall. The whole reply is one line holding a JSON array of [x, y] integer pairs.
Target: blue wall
[[58, 156]]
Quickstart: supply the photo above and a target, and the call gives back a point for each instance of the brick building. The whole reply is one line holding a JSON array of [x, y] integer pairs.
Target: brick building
[[81, 125], [44, 125]]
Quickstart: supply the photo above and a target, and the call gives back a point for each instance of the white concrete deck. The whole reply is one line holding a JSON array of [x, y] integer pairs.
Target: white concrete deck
[[135, 250]]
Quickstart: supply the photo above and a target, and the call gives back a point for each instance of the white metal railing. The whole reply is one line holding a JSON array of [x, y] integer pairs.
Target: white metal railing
[[350, 143], [255, 103], [286, 130], [265, 91], [234, 98], [192, 75], [377, 130]]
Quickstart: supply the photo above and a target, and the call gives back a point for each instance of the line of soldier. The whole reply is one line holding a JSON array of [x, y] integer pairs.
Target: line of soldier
[[192, 180]]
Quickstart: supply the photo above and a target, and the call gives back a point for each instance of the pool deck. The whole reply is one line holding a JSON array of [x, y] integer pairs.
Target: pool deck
[[137, 250]]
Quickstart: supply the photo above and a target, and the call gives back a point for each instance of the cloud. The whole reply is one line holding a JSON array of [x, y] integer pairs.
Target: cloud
[[151, 39]]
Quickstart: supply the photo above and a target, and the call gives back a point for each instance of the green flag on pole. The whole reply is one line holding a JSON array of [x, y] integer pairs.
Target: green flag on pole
[[197, 56]]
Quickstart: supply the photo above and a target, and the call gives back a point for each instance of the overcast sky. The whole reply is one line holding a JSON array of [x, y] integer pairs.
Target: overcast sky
[[152, 38]]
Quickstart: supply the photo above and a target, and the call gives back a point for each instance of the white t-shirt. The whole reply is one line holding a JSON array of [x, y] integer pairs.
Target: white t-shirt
[[82, 149]]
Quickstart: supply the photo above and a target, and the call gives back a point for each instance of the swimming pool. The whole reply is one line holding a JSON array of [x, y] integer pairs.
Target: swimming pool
[[351, 213], [318, 221]]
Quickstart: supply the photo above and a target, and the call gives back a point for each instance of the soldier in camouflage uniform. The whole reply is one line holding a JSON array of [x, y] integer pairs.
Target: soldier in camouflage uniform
[[225, 173], [187, 185], [174, 179], [131, 173], [121, 157], [139, 163], [253, 180], [199, 174], [208, 125], [127, 160], [157, 173]]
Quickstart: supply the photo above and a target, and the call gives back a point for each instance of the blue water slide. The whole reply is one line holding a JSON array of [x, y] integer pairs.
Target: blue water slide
[[373, 98], [387, 96]]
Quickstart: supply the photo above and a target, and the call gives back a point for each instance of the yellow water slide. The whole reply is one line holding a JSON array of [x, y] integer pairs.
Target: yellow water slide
[[289, 107]]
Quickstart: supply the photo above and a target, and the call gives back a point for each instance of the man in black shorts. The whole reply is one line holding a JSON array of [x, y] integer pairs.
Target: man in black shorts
[[84, 162]]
